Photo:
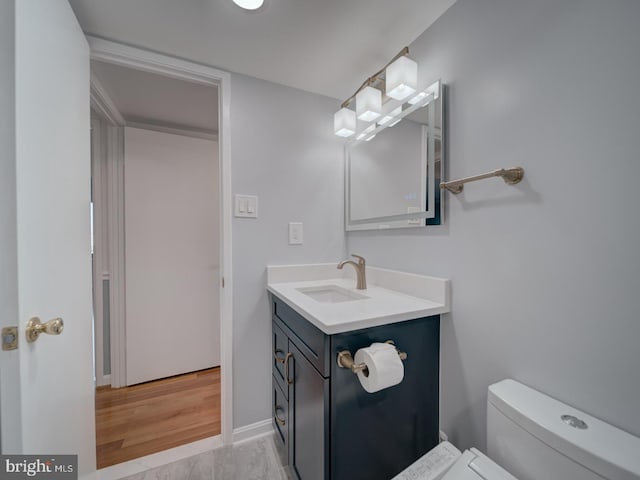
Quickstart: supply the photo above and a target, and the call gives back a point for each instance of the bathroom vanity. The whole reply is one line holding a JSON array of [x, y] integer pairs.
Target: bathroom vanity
[[328, 426]]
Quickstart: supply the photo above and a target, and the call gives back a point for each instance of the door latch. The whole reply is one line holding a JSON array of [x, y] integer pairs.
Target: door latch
[[9, 338]]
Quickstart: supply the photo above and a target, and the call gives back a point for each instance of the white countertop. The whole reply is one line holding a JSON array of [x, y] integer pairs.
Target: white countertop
[[392, 296]]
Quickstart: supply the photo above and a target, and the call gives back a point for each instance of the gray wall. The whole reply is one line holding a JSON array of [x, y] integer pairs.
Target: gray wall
[[8, 239], [545, 275], [283, 150]]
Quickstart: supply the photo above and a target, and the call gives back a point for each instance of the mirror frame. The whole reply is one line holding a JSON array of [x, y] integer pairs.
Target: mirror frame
[[432, 179]]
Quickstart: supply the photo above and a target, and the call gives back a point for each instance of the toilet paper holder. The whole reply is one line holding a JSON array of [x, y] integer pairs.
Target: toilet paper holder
[[345, 359]]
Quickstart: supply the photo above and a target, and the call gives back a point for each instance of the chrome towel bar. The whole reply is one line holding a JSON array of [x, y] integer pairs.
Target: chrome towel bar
[[511, 176], [345, 359]]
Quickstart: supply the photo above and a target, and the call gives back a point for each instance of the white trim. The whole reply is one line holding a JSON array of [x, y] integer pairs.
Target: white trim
[[139, 59], [124, 55], [100, 181], [102, 103], [172, 128], [104, 381], [115, 157], [226, 271], [252, 431]]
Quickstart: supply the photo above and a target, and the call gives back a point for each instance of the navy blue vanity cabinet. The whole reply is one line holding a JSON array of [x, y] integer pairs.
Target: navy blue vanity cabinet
[[332, 429], [301, 388]]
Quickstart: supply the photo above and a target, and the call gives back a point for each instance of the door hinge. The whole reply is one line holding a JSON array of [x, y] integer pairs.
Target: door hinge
[[222, 282], [9, 338]]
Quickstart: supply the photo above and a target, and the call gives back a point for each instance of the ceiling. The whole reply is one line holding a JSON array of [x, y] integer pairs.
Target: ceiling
[[327, 47], [147, 98]]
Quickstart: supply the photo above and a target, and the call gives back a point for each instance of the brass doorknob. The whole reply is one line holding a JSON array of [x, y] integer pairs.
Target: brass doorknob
[[35, 327]]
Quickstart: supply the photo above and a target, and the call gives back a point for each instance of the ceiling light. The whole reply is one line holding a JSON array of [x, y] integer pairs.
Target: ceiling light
[[402, 78], [368, 104], [249, 4], [344, 122]]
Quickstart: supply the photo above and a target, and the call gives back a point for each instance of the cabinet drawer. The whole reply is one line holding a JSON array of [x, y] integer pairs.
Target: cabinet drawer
[[280, 413], [280, 348], [312, 342]]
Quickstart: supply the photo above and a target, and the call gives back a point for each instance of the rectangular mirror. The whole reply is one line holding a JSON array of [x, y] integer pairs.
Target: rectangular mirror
[[393, 173]]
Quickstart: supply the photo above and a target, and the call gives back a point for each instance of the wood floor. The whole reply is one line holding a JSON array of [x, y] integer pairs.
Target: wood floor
[[135, 421]]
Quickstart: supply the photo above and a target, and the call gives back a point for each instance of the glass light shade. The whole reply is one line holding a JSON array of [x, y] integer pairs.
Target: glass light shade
[[402, 78], [389, 113], [344, 122], [368, 104], [249, 4]]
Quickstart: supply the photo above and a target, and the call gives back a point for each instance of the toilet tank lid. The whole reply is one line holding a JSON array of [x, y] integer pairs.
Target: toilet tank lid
[[602, 448]]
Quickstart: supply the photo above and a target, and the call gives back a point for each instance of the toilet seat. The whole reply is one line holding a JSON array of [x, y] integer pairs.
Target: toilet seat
[[474, 465], [445, 462]]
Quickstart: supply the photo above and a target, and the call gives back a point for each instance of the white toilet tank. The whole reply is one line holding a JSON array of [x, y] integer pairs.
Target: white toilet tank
[[535, 437]]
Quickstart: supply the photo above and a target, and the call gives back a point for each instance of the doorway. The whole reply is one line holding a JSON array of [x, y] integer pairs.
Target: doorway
[[158, 231]]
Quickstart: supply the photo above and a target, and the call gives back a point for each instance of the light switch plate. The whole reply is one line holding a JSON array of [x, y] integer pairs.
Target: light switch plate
[[246, 206], [295, 233]]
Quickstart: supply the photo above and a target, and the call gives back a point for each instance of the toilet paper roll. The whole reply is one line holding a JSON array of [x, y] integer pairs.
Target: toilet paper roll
[[385, 369]]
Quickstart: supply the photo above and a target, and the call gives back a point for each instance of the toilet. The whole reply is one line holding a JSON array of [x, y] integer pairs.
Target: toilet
[[531, 436]]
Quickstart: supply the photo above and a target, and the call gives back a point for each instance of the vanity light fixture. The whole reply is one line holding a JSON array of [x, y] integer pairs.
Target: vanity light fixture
[[398, 78], [249, 4]]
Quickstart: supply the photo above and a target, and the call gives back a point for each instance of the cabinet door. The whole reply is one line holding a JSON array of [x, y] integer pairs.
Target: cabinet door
[[309, 417], [374, 436]]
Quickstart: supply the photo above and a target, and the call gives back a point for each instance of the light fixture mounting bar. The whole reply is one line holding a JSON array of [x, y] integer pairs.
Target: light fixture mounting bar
[[375, 77]]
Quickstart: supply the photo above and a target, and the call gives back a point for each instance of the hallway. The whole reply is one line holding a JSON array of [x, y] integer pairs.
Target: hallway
[[150, 417]]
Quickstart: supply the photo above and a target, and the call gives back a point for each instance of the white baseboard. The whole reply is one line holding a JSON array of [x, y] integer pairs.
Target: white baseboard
[[249, 432], [103, 381]]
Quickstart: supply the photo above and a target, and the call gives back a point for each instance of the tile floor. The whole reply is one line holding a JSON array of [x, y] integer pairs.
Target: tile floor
[[251, 460]]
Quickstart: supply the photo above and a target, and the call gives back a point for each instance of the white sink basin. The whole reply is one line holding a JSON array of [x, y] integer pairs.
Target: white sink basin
[[331, 294]]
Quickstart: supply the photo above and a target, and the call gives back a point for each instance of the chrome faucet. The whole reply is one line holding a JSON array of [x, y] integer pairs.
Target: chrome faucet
[[361, 283]]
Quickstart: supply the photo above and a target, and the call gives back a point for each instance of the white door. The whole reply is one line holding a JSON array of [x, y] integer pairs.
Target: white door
[[53, 233], [172, 232]]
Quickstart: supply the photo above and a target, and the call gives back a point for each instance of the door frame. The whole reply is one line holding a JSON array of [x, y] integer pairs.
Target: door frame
[[152, 62]]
